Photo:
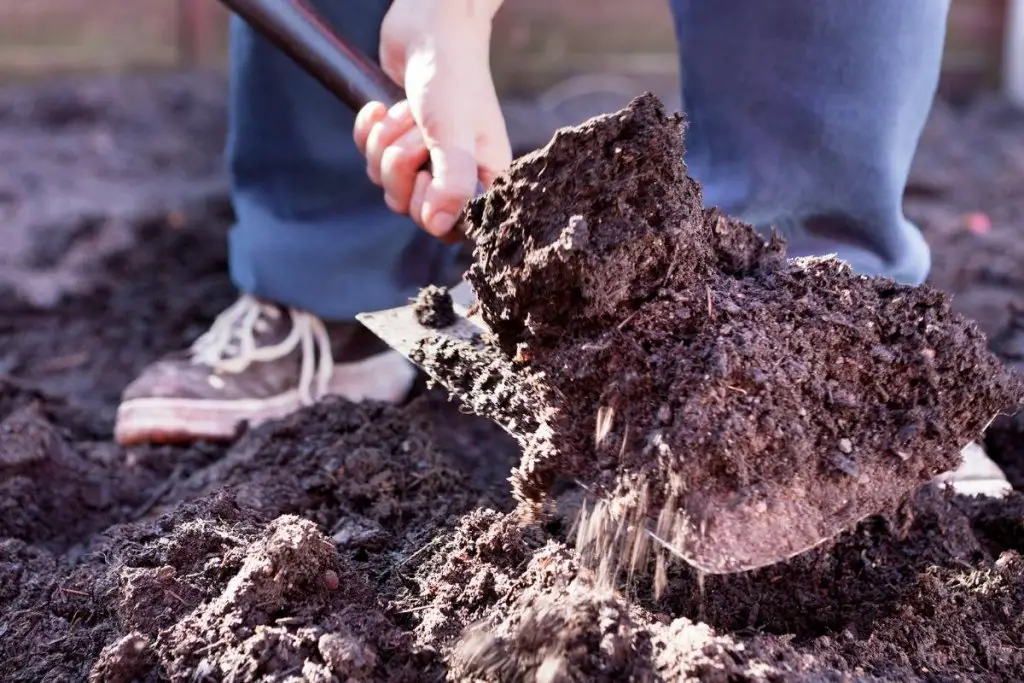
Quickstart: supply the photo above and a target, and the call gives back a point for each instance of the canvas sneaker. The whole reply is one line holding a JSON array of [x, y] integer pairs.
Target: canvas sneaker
[[258, 361]]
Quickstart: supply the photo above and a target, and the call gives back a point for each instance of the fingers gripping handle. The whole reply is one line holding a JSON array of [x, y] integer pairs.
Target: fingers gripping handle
[[298, 31]]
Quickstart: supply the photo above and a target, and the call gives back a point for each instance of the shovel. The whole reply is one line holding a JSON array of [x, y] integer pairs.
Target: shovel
[[295, 28]]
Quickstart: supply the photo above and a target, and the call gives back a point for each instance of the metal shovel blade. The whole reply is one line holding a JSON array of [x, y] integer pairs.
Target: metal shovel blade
[[715, 535], [399, 328]]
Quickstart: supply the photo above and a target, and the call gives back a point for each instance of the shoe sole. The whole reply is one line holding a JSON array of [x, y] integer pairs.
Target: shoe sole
[[386, 378]]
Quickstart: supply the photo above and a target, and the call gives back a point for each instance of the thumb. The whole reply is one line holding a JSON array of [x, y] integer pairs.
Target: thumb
[[453, 183], [493, 149]]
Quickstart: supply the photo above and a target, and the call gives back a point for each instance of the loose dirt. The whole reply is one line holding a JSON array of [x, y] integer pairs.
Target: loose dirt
[[755, 405], [380, 543], [434, 307]]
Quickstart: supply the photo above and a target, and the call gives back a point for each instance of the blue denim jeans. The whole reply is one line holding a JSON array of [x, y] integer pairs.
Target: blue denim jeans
[[312, 231], [804, 115]]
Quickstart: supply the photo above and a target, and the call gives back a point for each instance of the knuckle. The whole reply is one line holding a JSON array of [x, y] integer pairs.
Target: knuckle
[[390, 162], [399, 111], [374, 148]]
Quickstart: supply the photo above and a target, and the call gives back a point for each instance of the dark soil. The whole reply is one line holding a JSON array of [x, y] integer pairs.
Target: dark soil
[[434, 307], [380, 543], [766, 404]]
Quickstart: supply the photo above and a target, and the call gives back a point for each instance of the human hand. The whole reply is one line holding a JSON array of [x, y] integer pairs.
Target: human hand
[[438, 50]]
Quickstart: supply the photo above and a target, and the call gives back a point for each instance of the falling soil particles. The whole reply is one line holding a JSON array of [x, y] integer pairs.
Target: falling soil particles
[[375, 543]]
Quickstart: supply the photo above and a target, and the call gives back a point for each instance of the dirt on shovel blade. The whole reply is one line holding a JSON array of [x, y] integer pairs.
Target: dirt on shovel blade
[[374, 543], [745, 406]]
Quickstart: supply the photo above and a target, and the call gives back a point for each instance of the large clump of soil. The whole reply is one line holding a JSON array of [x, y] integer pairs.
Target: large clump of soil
[[677, 362]]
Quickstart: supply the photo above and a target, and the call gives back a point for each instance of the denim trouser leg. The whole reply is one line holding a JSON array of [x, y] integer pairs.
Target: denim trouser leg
[[805, 114], [312, 231]]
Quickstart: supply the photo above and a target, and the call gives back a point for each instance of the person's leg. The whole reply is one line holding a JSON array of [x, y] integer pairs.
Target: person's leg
[[314, 244], [805, 115]]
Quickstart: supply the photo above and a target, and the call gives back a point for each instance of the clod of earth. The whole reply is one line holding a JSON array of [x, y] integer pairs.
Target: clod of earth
[[746, 406], [434, 307]]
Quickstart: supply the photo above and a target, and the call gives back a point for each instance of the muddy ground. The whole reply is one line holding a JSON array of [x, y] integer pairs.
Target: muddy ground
[[373, 543]]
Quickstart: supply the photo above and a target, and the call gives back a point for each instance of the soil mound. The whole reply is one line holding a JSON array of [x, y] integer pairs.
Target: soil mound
[[754, 405], [932, 589], [231, 584], [374, 543], [61, 481]]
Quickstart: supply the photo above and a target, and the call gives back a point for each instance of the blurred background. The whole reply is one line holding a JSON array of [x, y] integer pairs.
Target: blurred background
[[538, 43]]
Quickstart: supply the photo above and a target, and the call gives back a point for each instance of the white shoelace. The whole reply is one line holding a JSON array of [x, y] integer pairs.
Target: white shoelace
[[229, 346]]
